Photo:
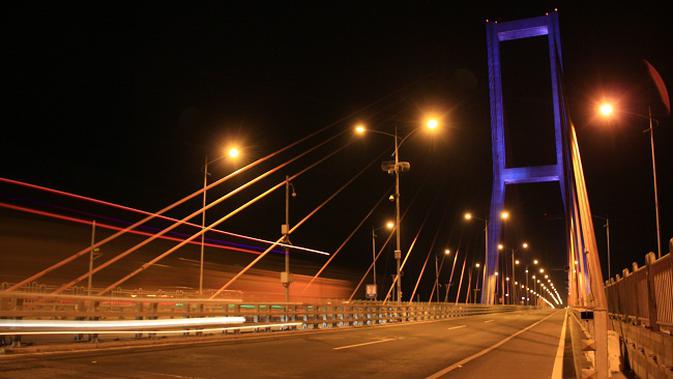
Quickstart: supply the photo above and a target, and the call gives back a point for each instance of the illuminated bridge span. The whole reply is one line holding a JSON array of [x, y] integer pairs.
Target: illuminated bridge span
[[241, 322]]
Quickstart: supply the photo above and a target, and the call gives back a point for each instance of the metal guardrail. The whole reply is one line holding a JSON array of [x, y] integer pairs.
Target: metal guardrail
[[644, 295], [329, 314]]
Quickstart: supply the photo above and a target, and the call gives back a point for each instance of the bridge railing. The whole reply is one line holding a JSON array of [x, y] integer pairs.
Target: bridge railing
[[644, 295], [257, 316], [640, 305]]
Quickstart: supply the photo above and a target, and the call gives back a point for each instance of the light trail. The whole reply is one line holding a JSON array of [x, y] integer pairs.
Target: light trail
[[118, 324], [202, 231], [181, 331], [140, 211], [111, 227], [63, 262], [221, 220]]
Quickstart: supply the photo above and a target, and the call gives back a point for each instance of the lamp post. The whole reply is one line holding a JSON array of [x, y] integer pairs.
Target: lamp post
[[396, 167], [469, 216], [476, 286], [390, 225], [233, 153], [607, 110]]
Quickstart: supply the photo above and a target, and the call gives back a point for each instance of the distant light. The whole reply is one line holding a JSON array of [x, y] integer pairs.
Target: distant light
[[516, 262], [477, 265], [390, 225], [447, 251], [501, 246], [535, 261], [524, 245], [504, 215], [496, 273], [468, 216], [541, 271], [360, 129]]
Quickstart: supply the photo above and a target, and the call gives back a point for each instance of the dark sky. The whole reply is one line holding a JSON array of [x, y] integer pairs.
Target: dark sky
[[122, 104]]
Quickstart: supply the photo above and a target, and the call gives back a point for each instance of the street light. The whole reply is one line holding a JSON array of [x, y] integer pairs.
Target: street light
[[468, 216], [395, 168], [501, 247], [504, 215], [388, 225], [447, 251], [524, 245], [231, 152], [606, 110]]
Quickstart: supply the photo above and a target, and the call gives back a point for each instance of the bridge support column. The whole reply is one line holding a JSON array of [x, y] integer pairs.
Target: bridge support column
[[502, 174]]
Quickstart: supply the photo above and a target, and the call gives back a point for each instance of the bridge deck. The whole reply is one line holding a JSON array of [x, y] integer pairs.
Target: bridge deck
[[528, 343]]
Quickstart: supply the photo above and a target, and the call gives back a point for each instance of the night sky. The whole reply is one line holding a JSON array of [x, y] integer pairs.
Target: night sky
[[122, 104]]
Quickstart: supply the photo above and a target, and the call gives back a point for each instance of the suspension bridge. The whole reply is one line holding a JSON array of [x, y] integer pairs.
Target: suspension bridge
[[128, 291]]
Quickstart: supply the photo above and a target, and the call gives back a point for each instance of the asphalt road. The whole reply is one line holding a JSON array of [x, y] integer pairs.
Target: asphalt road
[[513, 345]]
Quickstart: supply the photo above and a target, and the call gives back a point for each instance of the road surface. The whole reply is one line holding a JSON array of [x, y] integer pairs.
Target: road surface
[[511, 345]]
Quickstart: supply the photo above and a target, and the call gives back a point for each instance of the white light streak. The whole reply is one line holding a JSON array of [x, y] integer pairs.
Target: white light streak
[[118, 324]]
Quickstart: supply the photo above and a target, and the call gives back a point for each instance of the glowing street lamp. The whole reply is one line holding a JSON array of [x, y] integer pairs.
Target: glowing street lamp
[[606, 109], [501, 247], [468, 216], [524, 245], [390, 224], [395, 167], [535, 261], [232, 152], [447, 251], [504, 215]]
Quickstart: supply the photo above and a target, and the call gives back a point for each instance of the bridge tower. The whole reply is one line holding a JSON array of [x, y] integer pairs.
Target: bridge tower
[[503, 174]]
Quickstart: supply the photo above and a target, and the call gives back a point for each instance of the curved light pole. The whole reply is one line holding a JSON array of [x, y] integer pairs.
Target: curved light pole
[[233, 153], [468, 216], [607, 110], [390, 225], [395, 168]]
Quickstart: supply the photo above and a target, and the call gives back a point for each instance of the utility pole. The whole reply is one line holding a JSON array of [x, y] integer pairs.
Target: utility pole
[[93, 241]]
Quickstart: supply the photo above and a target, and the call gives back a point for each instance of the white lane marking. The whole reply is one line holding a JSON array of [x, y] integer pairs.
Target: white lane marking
[[462, 362], [457, 327], [557, 372], [364, 343], [487, 321]]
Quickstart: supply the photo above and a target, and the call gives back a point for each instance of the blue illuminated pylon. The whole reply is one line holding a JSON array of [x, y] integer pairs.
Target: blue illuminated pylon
[[503, 175]]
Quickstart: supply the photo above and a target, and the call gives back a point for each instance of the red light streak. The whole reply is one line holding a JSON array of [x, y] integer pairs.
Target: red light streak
[[112, 227]]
